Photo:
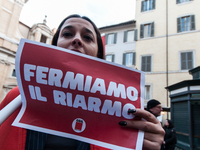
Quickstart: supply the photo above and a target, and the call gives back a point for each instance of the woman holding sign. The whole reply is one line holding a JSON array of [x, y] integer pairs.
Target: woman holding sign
[[78, 34]]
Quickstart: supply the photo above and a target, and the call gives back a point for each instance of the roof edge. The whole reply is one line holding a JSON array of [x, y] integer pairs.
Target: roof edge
[[119, 24]]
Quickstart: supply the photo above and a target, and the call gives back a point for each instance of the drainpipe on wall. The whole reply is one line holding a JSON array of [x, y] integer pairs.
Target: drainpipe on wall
[[167, 75]]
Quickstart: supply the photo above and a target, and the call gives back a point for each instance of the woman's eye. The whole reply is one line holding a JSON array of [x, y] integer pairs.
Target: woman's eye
[[67, 34], [88, 38]]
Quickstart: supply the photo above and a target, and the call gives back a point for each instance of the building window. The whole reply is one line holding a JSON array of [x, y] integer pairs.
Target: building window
[[146, 64], [129, 36], [129, 59], [147, 30], [186, 60], [13, 73], [147, 92], [110, 58], [43, 39], [182, 1], [111, 38], [147, 5], [186, 23]]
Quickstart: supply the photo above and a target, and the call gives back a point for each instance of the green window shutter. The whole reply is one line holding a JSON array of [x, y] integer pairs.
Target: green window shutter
[[178, 25], [183, 61], [143, 64], [141, 31], [146, 64], [152, 29], [189, 60], [135, 34], [192, 18], [115, 38], [142, 6], [124, 59], [125, 36], [113, 58], [133, 58], [106, 39], [178, 1], [148, 61], [153, 4]]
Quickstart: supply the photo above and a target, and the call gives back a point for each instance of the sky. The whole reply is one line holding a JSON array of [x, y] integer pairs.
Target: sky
[[101, 12]]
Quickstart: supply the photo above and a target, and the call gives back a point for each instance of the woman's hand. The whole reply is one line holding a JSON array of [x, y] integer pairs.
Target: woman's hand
[[153, 131]]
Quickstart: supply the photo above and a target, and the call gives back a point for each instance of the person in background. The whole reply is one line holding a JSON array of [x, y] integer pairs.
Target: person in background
[[154, 107], [78, 34], [170, 136]]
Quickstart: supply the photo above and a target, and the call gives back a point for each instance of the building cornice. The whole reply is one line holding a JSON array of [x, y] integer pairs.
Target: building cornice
[[181, 33], [8, 52], [14, 41], [24, 25], [119, 25], [4, 62], [20, 2], [10, 86], [43, 27], [169, 72]]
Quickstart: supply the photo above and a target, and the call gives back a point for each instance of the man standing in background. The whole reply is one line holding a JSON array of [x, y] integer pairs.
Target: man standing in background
[[154, 107]]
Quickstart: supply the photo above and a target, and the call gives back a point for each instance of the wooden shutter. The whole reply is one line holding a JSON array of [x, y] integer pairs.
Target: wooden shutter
[[148, 69], [133, 63], [135, 34], [189, 60], [183, 61], [141, 31], [125, 36], [152, 29], [143, 63], [192, 26], [142, 6], [153, 4], [115, 38], [124, 59], [106, 39], [178, 24]]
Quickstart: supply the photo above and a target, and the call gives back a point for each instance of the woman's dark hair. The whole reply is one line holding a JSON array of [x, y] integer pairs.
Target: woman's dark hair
[[171, 124], [99, 40]]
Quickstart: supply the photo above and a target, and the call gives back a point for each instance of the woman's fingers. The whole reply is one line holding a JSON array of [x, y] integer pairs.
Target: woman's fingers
[[153, 131], [145, 126], [151, 124], [146, 115]]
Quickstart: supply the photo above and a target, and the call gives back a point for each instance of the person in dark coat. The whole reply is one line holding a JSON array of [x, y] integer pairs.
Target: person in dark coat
[[170, 135]]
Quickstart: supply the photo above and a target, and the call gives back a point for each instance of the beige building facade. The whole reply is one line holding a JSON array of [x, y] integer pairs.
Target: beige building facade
[[120, 43], [168, 43], [11, 31]]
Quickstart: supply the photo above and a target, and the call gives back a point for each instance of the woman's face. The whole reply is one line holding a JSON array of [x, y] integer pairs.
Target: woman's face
[[166, 123], [78, 35]]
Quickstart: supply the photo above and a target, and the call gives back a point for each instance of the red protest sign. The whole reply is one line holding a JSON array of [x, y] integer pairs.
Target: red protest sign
[[77, 96]]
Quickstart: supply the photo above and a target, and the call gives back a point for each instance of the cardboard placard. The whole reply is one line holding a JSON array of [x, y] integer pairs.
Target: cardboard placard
[[77, 96]]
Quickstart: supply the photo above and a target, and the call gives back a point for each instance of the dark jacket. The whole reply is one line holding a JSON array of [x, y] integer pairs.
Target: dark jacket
[[170, 136]]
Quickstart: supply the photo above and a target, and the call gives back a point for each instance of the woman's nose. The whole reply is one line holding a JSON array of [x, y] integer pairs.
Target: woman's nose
[[77, 42]]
